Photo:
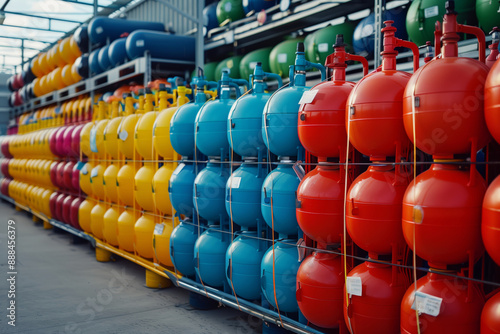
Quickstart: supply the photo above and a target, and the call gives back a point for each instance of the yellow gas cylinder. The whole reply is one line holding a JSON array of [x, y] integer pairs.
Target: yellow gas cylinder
[[125, 183], [44, 66], [66, 75], [74, 47], [97, 219], [127, 127], [35, 67], [110, 180], [160, 188], [110, 225], [97, 131], [66, 52], [111, 132], [85, 139], [126, 225], [57, 79], [58, 59], [46, 202], [74, 73], [144, 228], [97, 181], [37, 90], [28, 195], [84, 214], [143, 133], [85, 184], [161, 128], [143, 182], [161, 241]]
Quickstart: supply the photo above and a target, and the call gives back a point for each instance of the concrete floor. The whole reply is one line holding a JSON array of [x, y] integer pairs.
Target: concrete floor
[[61, 288]]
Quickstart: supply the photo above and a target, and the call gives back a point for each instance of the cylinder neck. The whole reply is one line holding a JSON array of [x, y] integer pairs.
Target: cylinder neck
[[389, 54], [450, 37]]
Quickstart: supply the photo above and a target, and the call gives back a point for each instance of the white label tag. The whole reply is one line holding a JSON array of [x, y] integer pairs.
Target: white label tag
[[159, 229], [84, 170], [431, 12], [300, 249], [367, 31], [252, 65], [235, 182], [123, 135], [94, 172], [93, 135], [139, 43], [99, 30], [354, 286], [308, 96], [428, 304], [282, 57], [323, 47]]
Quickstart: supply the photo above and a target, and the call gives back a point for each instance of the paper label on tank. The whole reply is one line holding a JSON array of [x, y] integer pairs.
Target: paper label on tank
[[323, 47], [93, 134], [431, 12], [228, 6], [84, 170], [428, 304], [139, 43], [99, 30], [308, 96], [282, 57], [235, 182], [159, 229], [354, 286], [252, 65], [123, 135], [94, 172]]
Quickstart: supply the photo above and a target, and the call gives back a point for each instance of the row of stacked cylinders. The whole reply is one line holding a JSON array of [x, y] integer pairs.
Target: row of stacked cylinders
[[164, 184]]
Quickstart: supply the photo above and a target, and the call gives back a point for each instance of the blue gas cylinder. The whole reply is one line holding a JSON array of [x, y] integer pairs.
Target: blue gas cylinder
[[257, 5], [209, 256], [103, 58], [210, 16], [141, 41], [244, 124], [182, 122], [243, 190], [182, 242], [209, 191], [245, 256], [102, 28], [285, 269], [181, 188], [211, 121], [280, 185], [94, 66], [281, 112], [117, 53]]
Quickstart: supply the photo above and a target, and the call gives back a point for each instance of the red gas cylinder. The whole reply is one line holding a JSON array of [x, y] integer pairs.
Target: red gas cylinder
[[68, 175], [75, 140], [459, 313], [53, 142], [491, 101], [53, 173], [5, 168], [377, 310], [4, 187], [374, 110], [59, 206], [75, 179], [66, 145], [320, 204], [60, 141], [66, 209], [320, 285], [448, 112], [442, 206], [490, 317], [5, 148], [321, 124], [73, 213], [490, 227], [60, 175], [52, 204], [373, 215]]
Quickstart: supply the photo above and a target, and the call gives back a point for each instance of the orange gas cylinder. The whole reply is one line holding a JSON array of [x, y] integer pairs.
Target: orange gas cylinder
[[144, 228], [374, 110], [492, 101], [490, 227], [490, 319], [448, 113], [442, 207], [126, 224], [321, 124], [97, 220], [373, 213], [320, 202], [320, 285], [110, 225], [377, 310], [459, 312]]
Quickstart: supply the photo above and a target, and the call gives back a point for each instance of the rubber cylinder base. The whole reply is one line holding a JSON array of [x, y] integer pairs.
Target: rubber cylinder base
[[155, 281], [47, 226], [102, 255]]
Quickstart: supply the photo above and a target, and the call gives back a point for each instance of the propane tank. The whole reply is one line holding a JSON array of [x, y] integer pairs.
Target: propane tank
[[278, 279], [110, 225], [279, 118], [110, 134], [125, 184], [211, 121], [209, 190], [109, 182], [490, 226], [319, 291], [143, 133], [143, 181], [492, 101], [459, 312], [75, 208], [97, 220], [243, 190], [490, 322], [279, 188], [320, 203], [448, 114], [161, 241], [84, 213], [209, 256], [377, 310], [127, 126], [125, 230], [96, 181], [374, 108], [85, 184], [160, 184], [97, 131], [244, 124], [180, 188], [442, 213], [374, 209], [143, 241], [182, 242], [321, 124]]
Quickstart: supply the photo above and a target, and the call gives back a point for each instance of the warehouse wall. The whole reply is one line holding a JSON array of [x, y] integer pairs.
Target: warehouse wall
[[4, 103], [154, 10]]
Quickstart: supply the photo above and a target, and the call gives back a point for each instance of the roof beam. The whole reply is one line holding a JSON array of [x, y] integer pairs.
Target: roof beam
[[18, 47], [91, 4], [26, 39], [40, 17], [34, 28]]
